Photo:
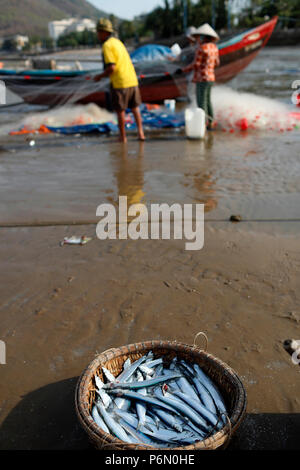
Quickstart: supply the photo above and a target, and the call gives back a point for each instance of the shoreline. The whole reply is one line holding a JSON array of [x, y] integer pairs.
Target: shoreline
[[280, 38]]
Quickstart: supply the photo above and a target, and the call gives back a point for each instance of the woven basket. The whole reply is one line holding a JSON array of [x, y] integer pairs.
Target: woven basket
[[224, 377]]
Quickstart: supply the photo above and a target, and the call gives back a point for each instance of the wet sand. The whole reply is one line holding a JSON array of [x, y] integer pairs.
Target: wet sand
[[64, 178], [62, 305]]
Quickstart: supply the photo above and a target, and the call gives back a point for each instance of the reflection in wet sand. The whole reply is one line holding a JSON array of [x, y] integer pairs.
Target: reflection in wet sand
[[205, 187], [128, 170], [129, 173], [202, 180]]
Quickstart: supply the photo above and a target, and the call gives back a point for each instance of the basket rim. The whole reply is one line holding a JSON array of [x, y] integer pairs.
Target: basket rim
[[217, 439]]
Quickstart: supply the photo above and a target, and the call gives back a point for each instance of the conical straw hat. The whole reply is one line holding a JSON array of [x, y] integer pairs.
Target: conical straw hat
[[206, 30]]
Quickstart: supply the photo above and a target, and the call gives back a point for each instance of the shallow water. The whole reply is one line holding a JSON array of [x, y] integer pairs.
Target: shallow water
[[271, 73]]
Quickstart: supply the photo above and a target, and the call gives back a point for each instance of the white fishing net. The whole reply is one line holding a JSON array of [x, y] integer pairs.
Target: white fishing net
[[55, 89], [241, 111], [68, 115], [233, 110]]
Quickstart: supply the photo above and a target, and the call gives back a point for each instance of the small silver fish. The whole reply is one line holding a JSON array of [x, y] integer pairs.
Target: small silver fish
[[208, 383], [184, 409], [129, 371], [98, 420], [109, 376], [137, 396], [113, 426], [140, 406], [141, 384]]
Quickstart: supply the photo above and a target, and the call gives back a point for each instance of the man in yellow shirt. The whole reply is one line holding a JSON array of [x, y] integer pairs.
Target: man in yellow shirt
[[125, 91]]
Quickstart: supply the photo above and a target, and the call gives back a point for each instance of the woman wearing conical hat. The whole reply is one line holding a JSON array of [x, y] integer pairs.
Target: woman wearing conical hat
[[205, 61]]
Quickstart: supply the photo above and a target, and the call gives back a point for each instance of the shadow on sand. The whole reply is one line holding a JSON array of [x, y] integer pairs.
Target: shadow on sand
[[46, 419], [268, 431]]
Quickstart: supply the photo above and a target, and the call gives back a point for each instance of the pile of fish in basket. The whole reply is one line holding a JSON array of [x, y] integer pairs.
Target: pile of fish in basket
[[159, 394], [158, 404]]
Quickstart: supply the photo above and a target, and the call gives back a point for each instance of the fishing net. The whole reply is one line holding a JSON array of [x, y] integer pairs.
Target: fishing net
[[69, 115], [58, 88], [234, 111], [55, 90], [74, 119], [242, 111]]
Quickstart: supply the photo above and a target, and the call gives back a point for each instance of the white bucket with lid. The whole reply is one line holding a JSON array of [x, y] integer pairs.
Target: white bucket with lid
[[195, 123]]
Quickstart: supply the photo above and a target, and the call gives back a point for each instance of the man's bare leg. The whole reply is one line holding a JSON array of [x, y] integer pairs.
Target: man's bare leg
[[139, 123], [121, 122]]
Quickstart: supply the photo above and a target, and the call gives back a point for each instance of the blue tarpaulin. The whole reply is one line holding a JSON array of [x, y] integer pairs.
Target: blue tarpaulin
[[85, 128], [154, 119], [151, 52]]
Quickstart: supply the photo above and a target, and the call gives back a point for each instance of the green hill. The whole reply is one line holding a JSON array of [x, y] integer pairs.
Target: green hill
[[31, 17]]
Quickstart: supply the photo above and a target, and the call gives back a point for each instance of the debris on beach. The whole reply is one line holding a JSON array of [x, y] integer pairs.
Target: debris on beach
[[292, 346], [235, 218], [83, 240], [158, 404], [40, 311], [25, 129]]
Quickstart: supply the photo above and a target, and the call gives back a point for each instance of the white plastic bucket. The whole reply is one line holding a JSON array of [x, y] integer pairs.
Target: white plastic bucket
[[170, 105], [176, 49], [195, 125]]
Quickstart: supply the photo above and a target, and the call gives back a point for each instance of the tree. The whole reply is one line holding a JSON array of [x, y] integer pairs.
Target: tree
[[221, 14], [68, 40], [74, 39], [9, 45], [48, 43], [287, 10], [126, 30], [168, 21], [295, 13], [154, 22]]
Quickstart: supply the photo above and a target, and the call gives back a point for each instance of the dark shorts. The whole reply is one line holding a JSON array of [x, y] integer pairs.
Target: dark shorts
[[123, 98]]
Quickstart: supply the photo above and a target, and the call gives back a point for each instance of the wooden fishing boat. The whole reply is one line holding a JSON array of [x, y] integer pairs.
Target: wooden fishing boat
[[53, 87]]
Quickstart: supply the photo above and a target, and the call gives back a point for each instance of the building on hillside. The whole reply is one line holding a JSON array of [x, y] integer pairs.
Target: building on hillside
[[81, 25], [58, 28]]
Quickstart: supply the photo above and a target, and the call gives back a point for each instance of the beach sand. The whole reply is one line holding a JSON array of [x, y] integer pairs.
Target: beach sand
[[61, 305]]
